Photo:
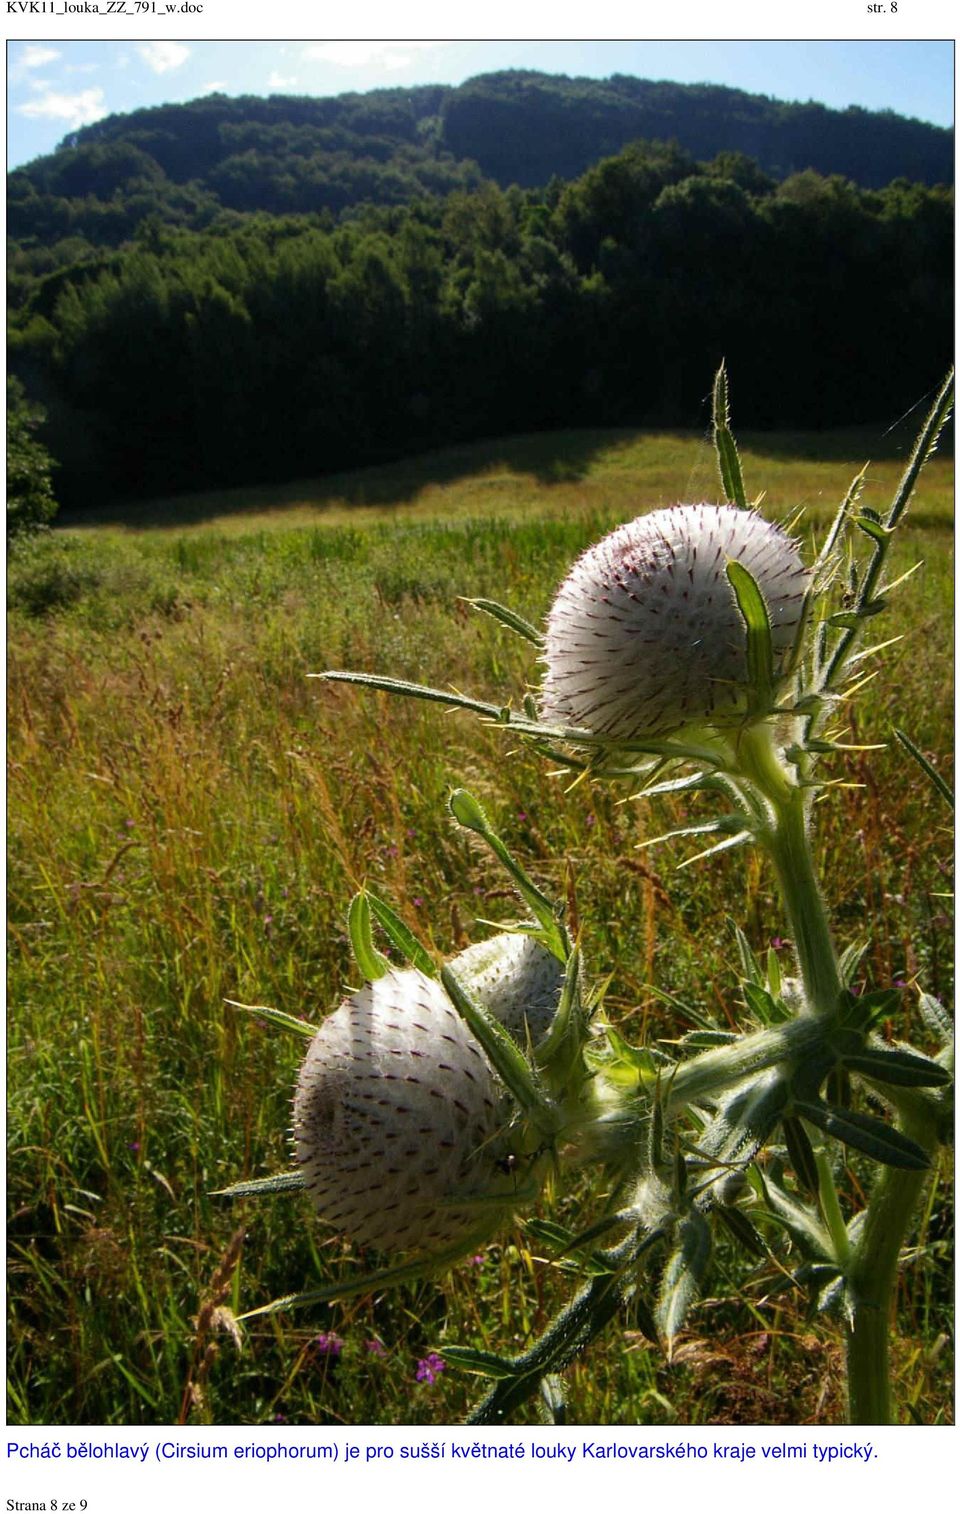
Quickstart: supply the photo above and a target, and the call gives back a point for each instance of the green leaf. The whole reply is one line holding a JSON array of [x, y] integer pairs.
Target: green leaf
[[872, 528], [558, 1237], [699, 1040], [280, 1182], [484, 1363], [412, 691], [756, 617], [372, 963], [367, 1282], [800, 1222], [684, 1274], [728, 459], [554, 1406], [875, 1138], [722, 846], [741, 1229], [276, 1017], [746, 1118], [506, 1056], [936, 1018], [748, 962], [722, 825], [801, 1154], [510, 619], [763, 1006], [402, 937], [943, 788], [895, 1065], [469, 813], [924, 448], [850, 959]]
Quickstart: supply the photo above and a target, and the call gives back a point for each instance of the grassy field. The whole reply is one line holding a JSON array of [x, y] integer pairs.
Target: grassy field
[[188, 817]]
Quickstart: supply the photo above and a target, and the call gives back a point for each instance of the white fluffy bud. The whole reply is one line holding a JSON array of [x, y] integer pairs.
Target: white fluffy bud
[[645, 635], [397, 1114], [517, 980]]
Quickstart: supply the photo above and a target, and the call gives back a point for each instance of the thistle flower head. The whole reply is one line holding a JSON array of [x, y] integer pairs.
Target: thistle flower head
[[397, 1115], [516, 980], [645, 635]]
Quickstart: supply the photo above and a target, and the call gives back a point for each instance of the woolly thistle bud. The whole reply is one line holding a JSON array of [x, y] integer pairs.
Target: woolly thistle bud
[[516, 980], [397, 1115], [645, 635]]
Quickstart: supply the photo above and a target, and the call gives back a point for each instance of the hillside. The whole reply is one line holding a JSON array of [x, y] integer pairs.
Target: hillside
[[188, 164], [361, 301]]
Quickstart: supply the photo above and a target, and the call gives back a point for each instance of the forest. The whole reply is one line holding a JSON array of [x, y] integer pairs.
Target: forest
[[239, 291]]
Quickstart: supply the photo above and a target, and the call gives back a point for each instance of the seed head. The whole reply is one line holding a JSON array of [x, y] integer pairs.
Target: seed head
[[397, 1114], [645, 635], [517, 980]]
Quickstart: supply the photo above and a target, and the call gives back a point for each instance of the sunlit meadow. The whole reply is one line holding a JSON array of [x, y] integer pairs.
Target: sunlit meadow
[[189, 816]]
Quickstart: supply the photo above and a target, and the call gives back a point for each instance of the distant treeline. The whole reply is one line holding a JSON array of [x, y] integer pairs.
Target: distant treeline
[[188, 164], [277, 346]]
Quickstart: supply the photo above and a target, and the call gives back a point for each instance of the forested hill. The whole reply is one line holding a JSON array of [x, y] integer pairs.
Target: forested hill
[[187, 163], [234, 292]]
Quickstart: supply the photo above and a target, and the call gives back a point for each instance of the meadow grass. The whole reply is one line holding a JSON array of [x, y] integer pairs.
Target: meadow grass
[[188, 817]]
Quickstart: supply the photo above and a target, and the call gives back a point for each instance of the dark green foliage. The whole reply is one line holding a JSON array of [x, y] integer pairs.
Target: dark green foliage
[[240, 291], [31, 503]]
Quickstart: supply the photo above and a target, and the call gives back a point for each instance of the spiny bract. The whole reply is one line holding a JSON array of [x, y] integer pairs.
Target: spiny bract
[[645, 635], [517, 980], [397, 1115]]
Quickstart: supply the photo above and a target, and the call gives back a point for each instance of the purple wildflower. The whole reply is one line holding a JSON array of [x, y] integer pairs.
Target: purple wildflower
[[327, 1344], [376, 1348], [429, 1368]]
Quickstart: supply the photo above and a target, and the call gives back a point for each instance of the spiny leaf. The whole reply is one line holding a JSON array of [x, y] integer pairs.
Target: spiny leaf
[[510, 619], [280, 1182], [469, 813], [276, 1017], [372, 963], [483, 1363], [850, 959], [939, 783], [412, 691], [936, 1018], [762, 1005], [746, 1118], [801, 1154], [728, 459], [368, 1282], [741, 1229], [895, 1065], [875, 1138], [721, 846], [402, 937], [748, 962], [503, 1051], [683, 1275], [756, 618], [924, 448]]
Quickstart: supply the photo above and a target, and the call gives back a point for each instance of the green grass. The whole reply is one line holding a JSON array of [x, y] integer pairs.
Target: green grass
[[188, 816]]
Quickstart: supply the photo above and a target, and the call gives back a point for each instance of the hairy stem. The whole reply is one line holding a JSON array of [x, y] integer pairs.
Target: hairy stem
[[872, 1279]]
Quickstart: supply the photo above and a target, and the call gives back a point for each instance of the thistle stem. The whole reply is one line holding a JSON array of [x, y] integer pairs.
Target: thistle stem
[[872, 1277], [787, 843]]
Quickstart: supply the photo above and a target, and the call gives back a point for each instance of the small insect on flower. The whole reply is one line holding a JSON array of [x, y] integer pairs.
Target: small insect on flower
[[399, 1121], [645, 635]]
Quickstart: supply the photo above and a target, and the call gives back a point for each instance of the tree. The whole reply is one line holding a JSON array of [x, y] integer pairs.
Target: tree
[[31, 503]]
